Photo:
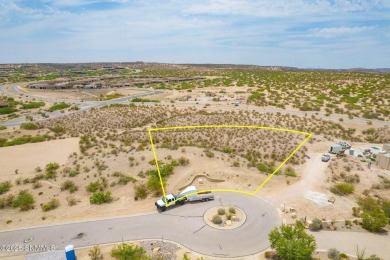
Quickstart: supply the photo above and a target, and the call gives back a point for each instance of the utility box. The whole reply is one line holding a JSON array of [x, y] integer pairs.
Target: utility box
[[69, 252]]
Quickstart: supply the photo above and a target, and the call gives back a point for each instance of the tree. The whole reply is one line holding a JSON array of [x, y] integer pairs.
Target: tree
[[374, 220], [292, 242], [125, 251], [95, 253]]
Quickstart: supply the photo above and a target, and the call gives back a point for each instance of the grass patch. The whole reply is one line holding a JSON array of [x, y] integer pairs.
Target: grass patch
[[144, 100], [29, 126], [33, 105], [5, 186], [58, 106], [342, 188]]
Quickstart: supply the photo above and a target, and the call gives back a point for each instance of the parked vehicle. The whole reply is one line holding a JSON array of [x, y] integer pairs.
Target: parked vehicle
[[188, 194], [336, 148], [325, 157], [345, 145]]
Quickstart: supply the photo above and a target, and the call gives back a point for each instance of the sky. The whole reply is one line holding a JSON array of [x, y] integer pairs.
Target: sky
[[298, 33]]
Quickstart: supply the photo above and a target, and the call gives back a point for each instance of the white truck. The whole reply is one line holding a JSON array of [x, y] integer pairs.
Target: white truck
[[194, 195]]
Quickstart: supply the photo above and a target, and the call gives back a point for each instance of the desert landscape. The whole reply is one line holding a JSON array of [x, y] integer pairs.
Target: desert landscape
[[63, 162]]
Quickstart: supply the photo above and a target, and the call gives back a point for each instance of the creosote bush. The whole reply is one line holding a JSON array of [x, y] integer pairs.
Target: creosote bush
[[52, 204]]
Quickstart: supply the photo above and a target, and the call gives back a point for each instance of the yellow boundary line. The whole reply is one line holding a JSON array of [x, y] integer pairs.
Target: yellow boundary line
[[150, 130]]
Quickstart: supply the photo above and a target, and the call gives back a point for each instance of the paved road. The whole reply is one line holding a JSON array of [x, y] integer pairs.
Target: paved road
[[182, 224], [12, 90]]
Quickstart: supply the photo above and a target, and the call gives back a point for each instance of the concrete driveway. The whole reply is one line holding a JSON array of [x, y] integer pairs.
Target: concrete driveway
[[181, 224]]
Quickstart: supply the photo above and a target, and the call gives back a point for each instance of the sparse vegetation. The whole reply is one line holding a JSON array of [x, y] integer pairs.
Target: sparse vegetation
[[58, 106], [125, 251], [100, 197], [5, 186], [52, 204], [24, 201], [342, 188]]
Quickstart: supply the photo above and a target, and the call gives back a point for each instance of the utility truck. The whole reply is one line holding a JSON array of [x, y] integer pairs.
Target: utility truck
[[188, 194]]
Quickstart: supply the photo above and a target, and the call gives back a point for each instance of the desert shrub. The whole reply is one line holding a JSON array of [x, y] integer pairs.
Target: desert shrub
[[7, 110], [217, 220], [368, 203], [94, 186], [58, 106], [141, 191], [2, 127], [386, 207], [342, 188], [36, 185], [5, 186], [24, 201], [71, 200], [209, 153], [50, 170], [58, 129], [221, 211], [290, 172], [124, 179], [32, 105], [125, 251], [183, 161], [28, 126], [316, 225], [100, 198], [232, 210], [95, 253], [267, 254], [69, 185], [374, 220], [333, 254], [265, 168], [52, 204], [343, 256], [373, 257], [6, 202], [227, 149]]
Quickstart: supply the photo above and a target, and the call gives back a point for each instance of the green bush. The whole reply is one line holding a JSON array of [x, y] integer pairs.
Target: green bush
[[94, 186], [58, 129], [264, 168], [374, 220], [221, 211], [52, 204], [217, 220], [124, 179], [125, 251], [69, 185], [23, 140], [386, 207], [5, 186], [100, 198], [32, 105], [24, 201], [7, 110], [28, 126], [267, 254], [58, 106], [342, 188], [290, 172], [2, 127], [316, 225], [144, 100], [141, 191]]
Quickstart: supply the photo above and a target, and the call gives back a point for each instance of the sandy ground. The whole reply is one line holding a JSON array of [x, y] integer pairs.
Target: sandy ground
[[25, 158]]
